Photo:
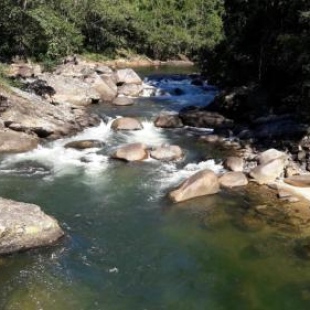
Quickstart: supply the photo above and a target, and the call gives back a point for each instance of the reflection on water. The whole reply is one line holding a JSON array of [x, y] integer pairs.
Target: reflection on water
[[128, 247]]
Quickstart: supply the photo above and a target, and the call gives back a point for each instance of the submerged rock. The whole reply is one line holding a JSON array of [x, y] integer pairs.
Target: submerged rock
[[24, 226], [126, 123], [202, 183], [84, 144], [131, 152], [167, 153]]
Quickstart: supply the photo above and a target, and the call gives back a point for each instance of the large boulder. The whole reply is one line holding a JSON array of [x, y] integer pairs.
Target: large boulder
[[16, 142], [202, 183], [131, 152], [104, 86], [233, 179], [197, 117], [123, 101], [84, 144], [126, 123], [72, 90], [130, 90], [24, 226], [168, 121], [233, 163], [270, 155], [128, 76], [268, 172], [167, 153]]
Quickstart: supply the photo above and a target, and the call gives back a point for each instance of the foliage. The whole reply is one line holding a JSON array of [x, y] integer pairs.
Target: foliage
[[160, 29]]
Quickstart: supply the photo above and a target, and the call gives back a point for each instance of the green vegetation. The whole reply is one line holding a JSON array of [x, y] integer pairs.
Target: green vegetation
[[267, 42], [47, 29]]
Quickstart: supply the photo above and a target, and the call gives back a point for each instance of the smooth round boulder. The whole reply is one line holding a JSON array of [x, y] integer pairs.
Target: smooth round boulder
[[233, 179], [202, 183], [210, 138], [269, 172], [123, 101], [131, 152], [168, 121], [167, 153], [24, 226], [126, 123], [84, 144], [233, 163]]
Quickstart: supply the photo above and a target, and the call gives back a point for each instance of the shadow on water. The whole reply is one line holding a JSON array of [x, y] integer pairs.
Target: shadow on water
[[129, 247]]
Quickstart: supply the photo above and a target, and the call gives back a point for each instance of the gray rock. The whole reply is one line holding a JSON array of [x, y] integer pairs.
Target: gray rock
[[24, 226], [202, 183]]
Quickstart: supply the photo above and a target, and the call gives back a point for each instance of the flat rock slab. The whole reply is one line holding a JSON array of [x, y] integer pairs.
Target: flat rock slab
[[24, 226], [167, 153], [302, 180], [123, 101]]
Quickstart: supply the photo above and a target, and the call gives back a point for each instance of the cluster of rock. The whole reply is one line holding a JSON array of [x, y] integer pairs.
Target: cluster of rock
[[51, 106]]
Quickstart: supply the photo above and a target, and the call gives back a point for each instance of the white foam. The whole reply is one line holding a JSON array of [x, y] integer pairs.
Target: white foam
[[61, 160]]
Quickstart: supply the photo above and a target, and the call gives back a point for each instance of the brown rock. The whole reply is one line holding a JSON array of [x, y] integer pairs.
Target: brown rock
[[233, 179], [168, 121], [131, 152], [268, 172], [131, 90], [234, 164], [126, 123], [167, 153], [302, 180], [16, 142], [24, 226], [202, 183], [128, 76], [123, 101], [24, 70], [84, 144], [270, 155], [211, 138]]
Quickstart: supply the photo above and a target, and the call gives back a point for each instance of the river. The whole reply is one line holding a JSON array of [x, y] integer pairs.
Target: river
[[127, 245]]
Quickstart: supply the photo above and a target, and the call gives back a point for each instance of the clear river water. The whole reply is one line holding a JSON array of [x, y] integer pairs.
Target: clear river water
[[127, 246]]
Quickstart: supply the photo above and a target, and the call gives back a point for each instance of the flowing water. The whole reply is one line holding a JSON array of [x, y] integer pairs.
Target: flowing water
[[127, 245]]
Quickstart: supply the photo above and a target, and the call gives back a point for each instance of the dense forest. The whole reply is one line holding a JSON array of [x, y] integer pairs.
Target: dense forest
[[237, 42], [160, 29]]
